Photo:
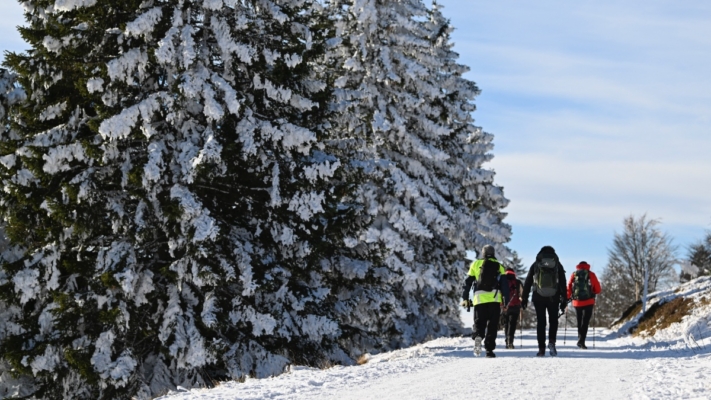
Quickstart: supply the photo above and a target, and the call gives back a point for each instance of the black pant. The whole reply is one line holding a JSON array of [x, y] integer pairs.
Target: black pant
[[511, 320], [546, 308], [486, 321], [583, 314]]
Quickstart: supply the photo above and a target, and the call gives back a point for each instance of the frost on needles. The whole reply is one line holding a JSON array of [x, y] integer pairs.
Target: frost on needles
[[196, 191]]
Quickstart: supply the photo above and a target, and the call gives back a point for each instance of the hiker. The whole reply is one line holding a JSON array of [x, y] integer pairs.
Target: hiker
[[583, 286], [487, 278], [547, 276], [513, 309]]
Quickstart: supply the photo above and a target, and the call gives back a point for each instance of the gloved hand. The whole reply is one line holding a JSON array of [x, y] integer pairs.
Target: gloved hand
[[524, 303], [466, 303], [563, 305]]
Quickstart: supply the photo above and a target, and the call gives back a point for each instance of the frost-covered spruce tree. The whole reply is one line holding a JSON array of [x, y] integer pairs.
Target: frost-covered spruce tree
[[11, 385], [425, 194], [478, 200], [166, 196]]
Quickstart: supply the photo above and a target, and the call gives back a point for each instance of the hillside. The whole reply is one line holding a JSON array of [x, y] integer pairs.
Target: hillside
[[663, 354], [679, 315]]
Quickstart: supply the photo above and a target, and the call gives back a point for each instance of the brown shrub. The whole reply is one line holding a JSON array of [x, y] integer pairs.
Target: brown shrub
[[662, 315], [363, 359]]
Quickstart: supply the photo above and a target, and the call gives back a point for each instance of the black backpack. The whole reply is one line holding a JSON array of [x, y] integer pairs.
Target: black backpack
[[582, 288], [546, 277], [489, 276]]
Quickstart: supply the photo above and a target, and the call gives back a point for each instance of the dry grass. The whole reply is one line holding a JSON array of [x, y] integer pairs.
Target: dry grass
[[630, 312], [704, 301], [363, 359], [661, 316]]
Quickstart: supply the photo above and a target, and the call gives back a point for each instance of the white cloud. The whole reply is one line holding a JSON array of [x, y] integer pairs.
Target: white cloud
[[562, 191], [600, 109]]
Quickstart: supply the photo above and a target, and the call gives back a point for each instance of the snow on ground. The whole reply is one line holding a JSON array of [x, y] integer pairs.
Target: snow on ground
[[446, 369], [671, 364]]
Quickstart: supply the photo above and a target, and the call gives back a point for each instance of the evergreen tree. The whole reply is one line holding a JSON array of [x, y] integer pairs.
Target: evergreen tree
[[517, 264], [167, 196], [206, 190], [11, 385], [699, 256], [618, 295], [406, 108]]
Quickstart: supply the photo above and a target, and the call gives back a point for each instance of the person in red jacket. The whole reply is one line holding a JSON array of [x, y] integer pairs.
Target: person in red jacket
[[513, 308], [583, 286]]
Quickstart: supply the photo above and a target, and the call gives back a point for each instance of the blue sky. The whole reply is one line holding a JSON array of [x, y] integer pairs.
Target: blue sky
[[600, 109]]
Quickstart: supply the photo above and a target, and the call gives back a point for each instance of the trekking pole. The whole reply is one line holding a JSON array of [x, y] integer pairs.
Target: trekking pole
[[521, 318], [593, 311]]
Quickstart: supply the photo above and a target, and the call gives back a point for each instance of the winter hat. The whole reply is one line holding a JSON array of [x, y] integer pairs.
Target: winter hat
[[510, 271], [583, 264], [547, 249], [488, 250]]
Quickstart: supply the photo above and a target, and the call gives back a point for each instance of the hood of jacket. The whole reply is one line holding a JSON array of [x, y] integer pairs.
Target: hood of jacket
[[583, 265], [546, 250]]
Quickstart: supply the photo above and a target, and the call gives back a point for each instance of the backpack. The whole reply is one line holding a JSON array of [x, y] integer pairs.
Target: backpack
[[489, 276], [582, 288], [546, 278], [514, 292]]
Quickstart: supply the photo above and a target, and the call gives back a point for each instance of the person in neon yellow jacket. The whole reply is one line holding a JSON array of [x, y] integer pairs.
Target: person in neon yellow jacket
[[491, 292]]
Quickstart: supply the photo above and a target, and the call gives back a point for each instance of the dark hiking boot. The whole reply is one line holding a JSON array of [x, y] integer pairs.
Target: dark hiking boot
[[583, 346], [541, 353], [490, 354], [552, 350], [477, 346]]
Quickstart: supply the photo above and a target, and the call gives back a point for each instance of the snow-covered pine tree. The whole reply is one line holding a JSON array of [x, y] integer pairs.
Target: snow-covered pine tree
[[11, 385], [166, 196], [478, 202], [698, 256], [517, 264], [425, 194]]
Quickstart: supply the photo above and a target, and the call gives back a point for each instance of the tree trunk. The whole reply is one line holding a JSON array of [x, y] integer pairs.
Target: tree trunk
[[636, 291]]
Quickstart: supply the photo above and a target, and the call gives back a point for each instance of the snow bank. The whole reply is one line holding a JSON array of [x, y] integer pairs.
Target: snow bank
[[678, 326]]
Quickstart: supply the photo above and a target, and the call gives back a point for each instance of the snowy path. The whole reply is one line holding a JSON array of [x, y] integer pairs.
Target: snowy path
[[446, 369]]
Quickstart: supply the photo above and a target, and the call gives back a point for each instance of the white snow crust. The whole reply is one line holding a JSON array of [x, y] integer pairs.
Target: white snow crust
[[446, 369], [69, 5], [672, 364]]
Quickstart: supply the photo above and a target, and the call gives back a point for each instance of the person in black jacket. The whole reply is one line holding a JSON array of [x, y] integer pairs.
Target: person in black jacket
[[548, 279]]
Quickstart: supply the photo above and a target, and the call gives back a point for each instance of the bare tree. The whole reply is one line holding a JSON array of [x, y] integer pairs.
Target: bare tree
[[640, 245]]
